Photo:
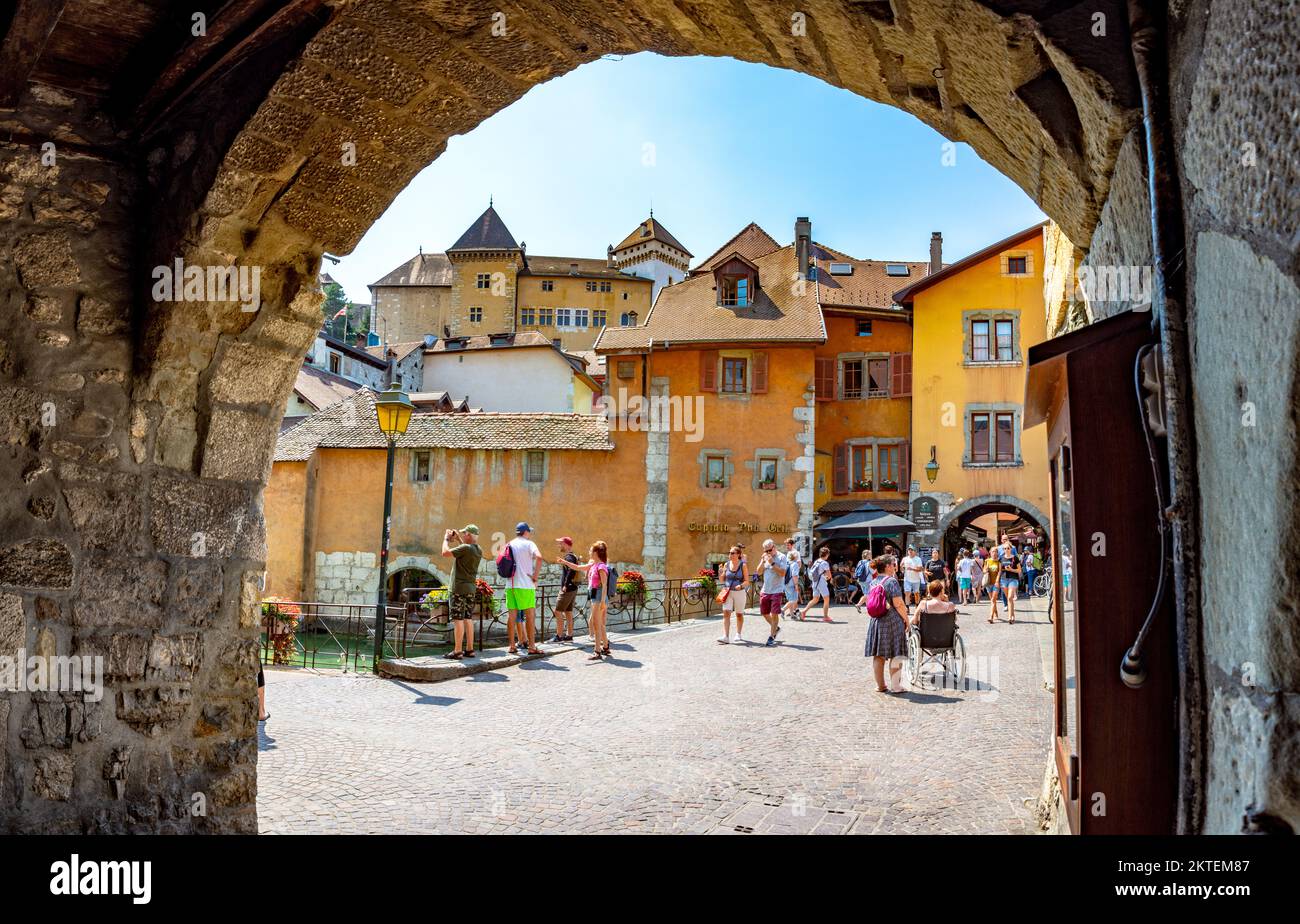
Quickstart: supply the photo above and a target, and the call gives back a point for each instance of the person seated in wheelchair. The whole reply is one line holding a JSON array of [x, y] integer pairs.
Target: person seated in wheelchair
[[937, 631]]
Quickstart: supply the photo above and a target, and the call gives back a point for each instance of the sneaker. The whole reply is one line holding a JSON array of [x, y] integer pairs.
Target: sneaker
[[723, 640], [770, 643]]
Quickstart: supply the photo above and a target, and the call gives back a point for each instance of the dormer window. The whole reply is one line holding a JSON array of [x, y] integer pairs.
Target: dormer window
[[897, 269], [736, 281], [734, 291]]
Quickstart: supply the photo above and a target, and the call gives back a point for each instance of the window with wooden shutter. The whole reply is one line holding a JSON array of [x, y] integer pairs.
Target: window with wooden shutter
[[824, 378], [840, 479], [760, 373], [905, 472], [708, 370], [900, 375]]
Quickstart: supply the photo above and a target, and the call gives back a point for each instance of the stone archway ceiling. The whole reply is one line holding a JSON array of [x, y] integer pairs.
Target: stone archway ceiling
[[243, 132], [1027, 84]]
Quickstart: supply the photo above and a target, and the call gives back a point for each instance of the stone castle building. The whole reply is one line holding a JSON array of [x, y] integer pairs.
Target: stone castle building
[[487, 283]]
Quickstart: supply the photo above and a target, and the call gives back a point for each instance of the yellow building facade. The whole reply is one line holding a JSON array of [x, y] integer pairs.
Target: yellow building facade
[[973, 323]]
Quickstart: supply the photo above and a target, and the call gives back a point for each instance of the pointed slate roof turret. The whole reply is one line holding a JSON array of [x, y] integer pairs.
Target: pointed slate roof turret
[[651, 230], [488, 232]]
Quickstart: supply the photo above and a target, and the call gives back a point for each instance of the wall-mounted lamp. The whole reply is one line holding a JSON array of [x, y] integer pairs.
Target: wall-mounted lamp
[[932, 467]]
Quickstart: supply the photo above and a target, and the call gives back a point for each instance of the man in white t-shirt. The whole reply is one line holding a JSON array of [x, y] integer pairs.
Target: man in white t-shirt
[[521, 589], [913, 576]]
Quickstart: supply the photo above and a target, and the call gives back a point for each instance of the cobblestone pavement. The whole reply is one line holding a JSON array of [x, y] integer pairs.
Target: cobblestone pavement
[[676, 734]]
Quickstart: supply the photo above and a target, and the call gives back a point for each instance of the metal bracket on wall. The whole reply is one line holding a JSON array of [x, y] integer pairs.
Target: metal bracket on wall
[[1153, 391]]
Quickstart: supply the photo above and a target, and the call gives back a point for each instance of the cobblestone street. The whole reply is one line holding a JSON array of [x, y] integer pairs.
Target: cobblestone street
[[677, 734]]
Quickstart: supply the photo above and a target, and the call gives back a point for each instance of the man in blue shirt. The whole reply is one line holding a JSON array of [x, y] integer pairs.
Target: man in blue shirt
[[772, 567]]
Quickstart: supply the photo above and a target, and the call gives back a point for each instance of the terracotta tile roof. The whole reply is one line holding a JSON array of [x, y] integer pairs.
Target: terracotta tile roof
[[525, 338], [651, 230], [752, 242], [320, 389], [869, 286], [351, 424], [587, 266], [687, 312], [423, 269], [400, 350], [488, 232]]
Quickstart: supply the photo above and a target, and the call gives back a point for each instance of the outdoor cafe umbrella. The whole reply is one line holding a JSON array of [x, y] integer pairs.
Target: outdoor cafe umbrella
[[865, 522]]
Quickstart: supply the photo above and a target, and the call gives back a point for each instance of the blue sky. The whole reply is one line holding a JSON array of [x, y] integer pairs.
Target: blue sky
[[713, 144]]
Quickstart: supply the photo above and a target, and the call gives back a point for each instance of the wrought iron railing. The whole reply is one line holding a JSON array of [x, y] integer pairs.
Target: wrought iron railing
[[341, 635]]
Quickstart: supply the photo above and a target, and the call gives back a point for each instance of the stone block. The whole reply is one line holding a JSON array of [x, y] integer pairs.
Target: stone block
[[117, 591], [173, 658], [205, 519], [53, 777], [194, 597], [124, 654], [150, 710], [56, 720], [239, 445], [45, 259], [36, 563], [13, 626]]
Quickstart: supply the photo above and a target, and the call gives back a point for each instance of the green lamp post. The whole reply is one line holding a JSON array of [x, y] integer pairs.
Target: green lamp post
[[393, 411]]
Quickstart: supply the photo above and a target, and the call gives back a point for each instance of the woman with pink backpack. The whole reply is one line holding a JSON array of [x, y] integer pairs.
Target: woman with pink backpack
[[887, 628]]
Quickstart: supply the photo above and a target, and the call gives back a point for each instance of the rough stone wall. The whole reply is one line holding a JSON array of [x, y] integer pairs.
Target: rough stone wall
[[132, 521], [103, 553], [1236, 78]]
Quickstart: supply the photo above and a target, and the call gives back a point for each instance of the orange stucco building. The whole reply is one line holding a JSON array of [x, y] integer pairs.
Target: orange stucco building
[[770, 390]]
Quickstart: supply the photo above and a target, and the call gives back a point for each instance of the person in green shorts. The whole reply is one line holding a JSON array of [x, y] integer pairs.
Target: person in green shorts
[[521, 590], [464, 591]]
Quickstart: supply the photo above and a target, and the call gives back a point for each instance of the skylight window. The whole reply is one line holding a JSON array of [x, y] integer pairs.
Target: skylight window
[[897, 269], [841, 269]]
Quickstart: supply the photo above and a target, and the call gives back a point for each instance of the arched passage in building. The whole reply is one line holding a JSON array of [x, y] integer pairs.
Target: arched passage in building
[[133, 145], [984, 520]]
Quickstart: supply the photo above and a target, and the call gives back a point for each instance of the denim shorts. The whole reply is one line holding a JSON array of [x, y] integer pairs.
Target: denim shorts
[[597, 594], [1010, 584], [913, 587], [791, 593]]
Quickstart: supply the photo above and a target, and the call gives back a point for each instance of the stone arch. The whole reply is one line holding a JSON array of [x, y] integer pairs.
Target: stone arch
[[132, 527], [1009, 500]]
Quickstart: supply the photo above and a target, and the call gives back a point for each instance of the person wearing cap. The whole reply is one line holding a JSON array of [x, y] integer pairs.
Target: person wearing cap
[[913, 576], [521, 594], [464, 590], [568, 592]]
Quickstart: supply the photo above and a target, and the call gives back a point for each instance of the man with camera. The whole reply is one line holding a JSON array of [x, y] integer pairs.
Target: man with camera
[[462, 545]]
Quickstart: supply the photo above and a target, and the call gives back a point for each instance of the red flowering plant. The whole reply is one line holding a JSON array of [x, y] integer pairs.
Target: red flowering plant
[[631, 584], [487, 595], [705, 581], [280, 620]]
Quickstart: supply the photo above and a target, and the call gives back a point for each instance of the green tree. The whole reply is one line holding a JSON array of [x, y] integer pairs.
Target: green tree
[[335, 301]]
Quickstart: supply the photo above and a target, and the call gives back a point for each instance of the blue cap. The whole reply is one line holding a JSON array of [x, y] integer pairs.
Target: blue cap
[[521, 528]]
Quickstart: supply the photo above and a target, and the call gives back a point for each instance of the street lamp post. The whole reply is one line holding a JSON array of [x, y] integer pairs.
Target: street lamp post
[[393, 410]]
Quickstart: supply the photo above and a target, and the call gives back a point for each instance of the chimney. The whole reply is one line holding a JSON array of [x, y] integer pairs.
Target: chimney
[[936, 252], [802, 244], [609, 256]]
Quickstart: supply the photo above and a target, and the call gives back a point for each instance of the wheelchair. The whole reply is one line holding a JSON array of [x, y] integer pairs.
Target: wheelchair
[[936, 641]]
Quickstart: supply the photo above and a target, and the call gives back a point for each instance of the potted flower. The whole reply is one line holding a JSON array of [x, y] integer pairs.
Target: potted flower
[[704, 583], [486, 595], [280, 619], [631, 587], [864, 485], [435, 603]]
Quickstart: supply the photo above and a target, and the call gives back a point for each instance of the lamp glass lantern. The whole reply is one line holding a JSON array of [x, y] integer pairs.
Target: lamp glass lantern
[[932, 467], [393, 410]]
